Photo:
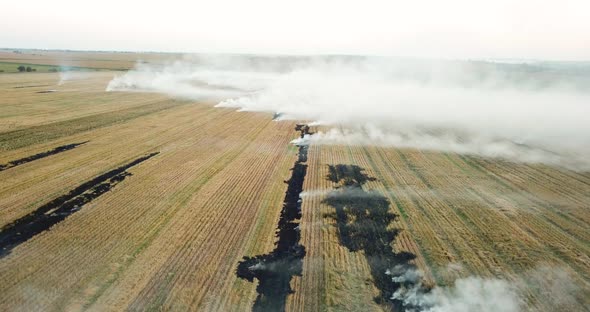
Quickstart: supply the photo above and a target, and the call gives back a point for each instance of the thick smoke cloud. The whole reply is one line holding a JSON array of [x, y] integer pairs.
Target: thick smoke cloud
[[530, 112], [466, 295], [553, 285], [210, 77]]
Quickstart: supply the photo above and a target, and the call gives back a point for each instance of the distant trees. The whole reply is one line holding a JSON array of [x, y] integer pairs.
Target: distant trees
[[28, 69]]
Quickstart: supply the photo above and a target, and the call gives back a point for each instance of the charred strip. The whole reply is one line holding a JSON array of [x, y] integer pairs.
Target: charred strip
[[33, 86], [54, 151], [60, 208], [363, 218], [275, 270]]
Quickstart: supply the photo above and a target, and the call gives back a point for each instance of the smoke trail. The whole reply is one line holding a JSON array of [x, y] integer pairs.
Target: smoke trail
[[449, 141], [535, 113], [63, 77], [466, 295], [67, 74], [202, 78], [519, 118], [550, 284]]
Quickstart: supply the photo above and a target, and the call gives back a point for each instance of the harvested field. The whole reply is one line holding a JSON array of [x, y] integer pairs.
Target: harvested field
[[59, 149], [78, 60], [137, 201], [204, 184], [275, 270], [457, 215], [60, 208]]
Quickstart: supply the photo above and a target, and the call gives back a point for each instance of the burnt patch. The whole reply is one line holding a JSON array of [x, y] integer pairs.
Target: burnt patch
[[54, 151], [275, 270], [60, 208], [303, 130], [348, 175], [363, 219], [33, 86]]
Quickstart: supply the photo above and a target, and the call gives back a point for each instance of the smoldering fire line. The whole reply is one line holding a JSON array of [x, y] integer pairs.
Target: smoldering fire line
[[27, 159], [275, 270], [62, 207]]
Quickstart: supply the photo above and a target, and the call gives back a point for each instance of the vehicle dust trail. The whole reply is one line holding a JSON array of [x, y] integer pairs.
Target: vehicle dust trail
[[60, 208], [275, 269], [27, 159]]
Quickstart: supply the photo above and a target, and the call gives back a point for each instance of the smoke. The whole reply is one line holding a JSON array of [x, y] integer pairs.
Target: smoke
[[530, 112], [553, 288], [472, 143], [207, 77], [475, 294], [314, 193], [555, 285], [466, 295], [63, 77], [66, 75]]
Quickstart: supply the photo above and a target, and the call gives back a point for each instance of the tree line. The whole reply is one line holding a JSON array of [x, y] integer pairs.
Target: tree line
[[21, 69]]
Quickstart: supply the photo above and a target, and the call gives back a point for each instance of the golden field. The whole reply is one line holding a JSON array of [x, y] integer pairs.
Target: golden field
[[170, 235], [460, 216], [87, 60]]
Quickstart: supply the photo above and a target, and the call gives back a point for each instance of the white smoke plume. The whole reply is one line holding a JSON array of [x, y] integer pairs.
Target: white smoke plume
[[556, 285], [466, 295], [553, 286], [449, 141], [314, 193], [195, 78], [65, 75], [475, 294], [532, 112]]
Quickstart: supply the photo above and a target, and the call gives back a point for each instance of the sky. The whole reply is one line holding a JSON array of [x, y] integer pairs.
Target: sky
[[450, 29]]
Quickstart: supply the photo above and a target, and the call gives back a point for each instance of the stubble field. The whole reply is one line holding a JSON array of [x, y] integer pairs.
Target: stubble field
[[139, 201]]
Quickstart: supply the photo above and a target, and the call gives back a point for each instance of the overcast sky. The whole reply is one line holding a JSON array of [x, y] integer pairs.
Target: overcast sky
[[531, 29]]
